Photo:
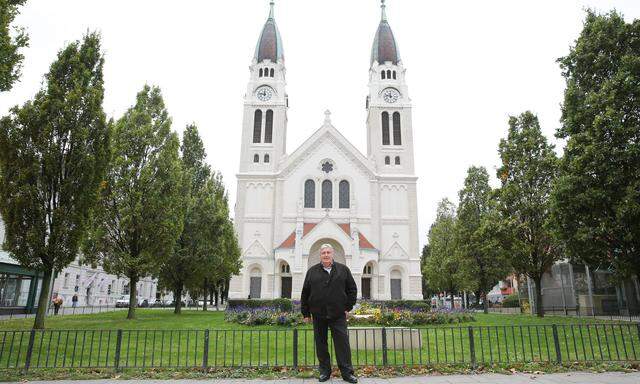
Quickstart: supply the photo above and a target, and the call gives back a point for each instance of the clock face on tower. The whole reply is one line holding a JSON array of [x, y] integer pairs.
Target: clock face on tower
[[264, 93], [390, 95]]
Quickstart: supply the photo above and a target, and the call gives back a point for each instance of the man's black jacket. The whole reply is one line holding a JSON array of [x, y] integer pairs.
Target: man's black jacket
[[329, 295]]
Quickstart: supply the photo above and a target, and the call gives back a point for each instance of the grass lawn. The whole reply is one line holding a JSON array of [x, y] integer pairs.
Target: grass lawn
[[160, 319], [158, 338]]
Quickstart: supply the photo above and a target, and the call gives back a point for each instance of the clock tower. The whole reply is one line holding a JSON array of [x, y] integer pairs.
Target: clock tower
[[265, 104], [389, 126]]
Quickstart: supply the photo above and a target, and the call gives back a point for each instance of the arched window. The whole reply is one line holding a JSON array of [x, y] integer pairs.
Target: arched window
[[343, 191], [284, 268], [397, 136], [272, 72], [327, 194], [268, 127], [260, 72], [388, 74], [387, 160], [397, 160], [257, 126], [256, 158], [385, 128], [394, 75], [266, 159], [309, 194], [383, 74], [368, 269]]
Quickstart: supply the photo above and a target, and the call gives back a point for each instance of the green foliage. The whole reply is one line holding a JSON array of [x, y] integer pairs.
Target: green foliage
[[597, 196], [441, 267], [141, 205], [372, 315], [482, 260], [399, 304], [280, 303], [263, 316], [511, 301], [529, 167], [10, 56], [54, 151]]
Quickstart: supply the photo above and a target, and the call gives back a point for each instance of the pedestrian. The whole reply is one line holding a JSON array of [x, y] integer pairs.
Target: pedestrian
[[328, 294], [57, 303], [74, 300]]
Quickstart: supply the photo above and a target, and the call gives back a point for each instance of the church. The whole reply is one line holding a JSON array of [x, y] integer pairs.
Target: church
[[327, 190]]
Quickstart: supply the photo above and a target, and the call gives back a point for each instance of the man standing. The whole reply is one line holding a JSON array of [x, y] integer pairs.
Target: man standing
[[329, 292]]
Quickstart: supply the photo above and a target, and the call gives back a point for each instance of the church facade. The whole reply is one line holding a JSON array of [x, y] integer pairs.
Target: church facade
[[326, 190]]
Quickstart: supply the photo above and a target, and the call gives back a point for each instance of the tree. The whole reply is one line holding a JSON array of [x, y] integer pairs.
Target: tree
[[482, 259], [441, 267], [184, 263], [54, 151], [10, 56], [529, 167], [139, 215], [597, 195], [426, 253]]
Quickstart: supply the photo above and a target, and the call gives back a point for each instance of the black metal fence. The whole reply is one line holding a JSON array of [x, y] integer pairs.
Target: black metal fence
[[586, 312], [119, 349], [19, 313]]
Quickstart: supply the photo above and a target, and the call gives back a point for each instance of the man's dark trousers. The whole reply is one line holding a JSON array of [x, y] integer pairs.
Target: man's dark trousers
[[340, 337]]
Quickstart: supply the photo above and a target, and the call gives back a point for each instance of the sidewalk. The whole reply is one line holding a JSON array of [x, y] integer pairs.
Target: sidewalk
[[559, 378]]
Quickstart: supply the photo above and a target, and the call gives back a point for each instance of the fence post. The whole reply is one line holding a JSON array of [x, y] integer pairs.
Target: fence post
[[205, 353], [556, 342], [472, 348], [638, 331], [295, 348], [385, 362], [27, 361], [116, 363]]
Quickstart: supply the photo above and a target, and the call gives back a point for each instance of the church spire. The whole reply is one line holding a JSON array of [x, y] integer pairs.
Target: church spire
[[385, 48], [384, 10], [270, 43]]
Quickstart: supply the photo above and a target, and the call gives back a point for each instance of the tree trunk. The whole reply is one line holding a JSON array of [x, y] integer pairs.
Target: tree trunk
[[204, 295], [133, 299], [485, 302], [477, 295], [538, 303], [43, 300], [177, 298], [451, 296], [215, 293]]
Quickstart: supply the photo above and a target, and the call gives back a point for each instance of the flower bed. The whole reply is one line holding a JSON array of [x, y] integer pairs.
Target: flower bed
[[262, 316], [365, 314], [368, 314]]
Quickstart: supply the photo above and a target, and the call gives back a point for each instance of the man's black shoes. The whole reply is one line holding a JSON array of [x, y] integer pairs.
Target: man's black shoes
[[350, 379], [324, 377]]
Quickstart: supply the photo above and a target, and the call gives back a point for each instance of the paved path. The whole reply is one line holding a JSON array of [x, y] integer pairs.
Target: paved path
[[560, 378]]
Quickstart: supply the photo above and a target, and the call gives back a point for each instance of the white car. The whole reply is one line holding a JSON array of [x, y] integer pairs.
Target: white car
[[122, 302]]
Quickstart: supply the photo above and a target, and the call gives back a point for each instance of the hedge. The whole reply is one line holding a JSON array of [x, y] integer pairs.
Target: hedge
[[282, 304]]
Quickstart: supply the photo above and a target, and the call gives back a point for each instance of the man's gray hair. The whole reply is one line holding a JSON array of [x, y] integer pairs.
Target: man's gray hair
[[326, 245]]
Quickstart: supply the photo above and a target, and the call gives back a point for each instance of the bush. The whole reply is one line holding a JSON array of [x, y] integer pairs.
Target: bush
[[281, 304], [511, 301], [400, 304], [407, 318], [262, 316]]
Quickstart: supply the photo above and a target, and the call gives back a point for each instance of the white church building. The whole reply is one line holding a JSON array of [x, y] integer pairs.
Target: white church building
[[327, 191]]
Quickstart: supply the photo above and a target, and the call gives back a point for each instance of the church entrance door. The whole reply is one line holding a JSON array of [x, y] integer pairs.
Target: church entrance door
[[366, 288], [396, 289], [286, 287], [255, 287]]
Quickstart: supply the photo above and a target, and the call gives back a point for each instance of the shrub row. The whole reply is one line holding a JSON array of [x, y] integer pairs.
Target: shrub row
[[285, 305]]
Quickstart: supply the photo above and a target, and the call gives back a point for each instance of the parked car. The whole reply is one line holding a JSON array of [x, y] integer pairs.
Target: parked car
[[122, 302], [143, 304]]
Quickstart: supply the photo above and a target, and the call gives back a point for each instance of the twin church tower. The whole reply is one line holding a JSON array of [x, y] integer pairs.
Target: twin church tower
[[327, 191]]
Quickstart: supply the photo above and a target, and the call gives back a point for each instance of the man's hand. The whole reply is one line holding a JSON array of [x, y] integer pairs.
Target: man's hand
[[307, 320]]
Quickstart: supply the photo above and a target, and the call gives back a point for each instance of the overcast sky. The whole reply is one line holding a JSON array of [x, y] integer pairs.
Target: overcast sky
[[470, 65]]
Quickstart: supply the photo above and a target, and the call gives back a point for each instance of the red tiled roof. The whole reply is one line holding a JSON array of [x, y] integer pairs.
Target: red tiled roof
[[364, 243], [307, 228], [289, 242], [346, 228]]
